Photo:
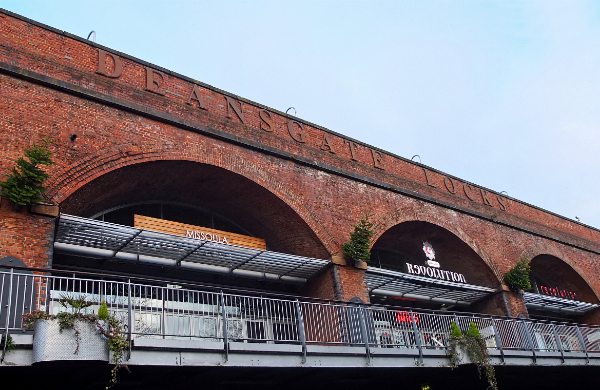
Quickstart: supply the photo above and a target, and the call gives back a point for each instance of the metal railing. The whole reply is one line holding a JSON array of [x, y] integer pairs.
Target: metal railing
[[170, 311]]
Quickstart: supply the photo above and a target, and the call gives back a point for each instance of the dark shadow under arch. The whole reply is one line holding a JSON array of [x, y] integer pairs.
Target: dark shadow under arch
[[552, 272], [227, 193], [404, 243]]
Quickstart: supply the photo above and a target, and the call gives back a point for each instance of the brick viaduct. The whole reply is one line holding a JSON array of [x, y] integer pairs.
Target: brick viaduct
[[145, 132]]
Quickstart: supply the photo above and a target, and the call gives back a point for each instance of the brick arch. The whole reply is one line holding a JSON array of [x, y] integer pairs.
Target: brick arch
[[82, 172], [384, 221], [538, 249]]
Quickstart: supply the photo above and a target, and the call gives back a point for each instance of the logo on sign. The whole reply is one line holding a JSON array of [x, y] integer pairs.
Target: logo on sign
[[430, 254]]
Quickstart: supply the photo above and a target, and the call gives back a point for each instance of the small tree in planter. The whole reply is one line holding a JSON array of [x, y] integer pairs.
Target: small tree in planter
[[472, 344], [24, 184], [359, 246], [518, 277]]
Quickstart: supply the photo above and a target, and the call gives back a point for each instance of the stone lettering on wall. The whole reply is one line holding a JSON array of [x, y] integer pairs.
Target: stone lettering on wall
[[157, 81], [117, 65], [472, 193]]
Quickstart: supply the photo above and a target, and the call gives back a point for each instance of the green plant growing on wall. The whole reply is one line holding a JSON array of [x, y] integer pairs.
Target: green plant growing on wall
[[7, 346], [24, 184], [518, 277], [358, 248], [474, 345], [107, 325]]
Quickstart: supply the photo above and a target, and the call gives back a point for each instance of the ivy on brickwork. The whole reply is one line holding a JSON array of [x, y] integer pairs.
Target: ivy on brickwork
[[24, 185], [359, 246], [518, 277]]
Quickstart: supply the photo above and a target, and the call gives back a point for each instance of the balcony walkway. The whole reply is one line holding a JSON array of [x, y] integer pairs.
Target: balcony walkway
[[172, 325]]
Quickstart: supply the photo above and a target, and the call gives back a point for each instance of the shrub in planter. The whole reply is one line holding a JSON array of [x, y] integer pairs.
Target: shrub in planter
[[518, 277], [24, 184], [471, 344], [89, 333], [359, 246]]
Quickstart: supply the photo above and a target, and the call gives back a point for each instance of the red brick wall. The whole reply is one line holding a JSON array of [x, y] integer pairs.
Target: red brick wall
[[62, 57], [351, 283], [48, 87], [323, 285], [25, 236]]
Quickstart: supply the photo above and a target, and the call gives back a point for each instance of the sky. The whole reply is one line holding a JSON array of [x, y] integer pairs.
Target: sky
[[503, 94]]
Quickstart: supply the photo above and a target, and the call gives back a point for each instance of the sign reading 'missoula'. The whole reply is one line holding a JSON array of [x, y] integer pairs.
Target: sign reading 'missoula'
[[432, 269]]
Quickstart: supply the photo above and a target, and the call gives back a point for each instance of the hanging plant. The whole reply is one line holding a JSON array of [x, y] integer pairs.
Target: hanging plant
[[359, 246], [473, 344], [24, 184], [109, 326], [518, 277]]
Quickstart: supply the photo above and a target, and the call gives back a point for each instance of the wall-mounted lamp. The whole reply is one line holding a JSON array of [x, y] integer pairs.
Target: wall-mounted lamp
[[413, 158]]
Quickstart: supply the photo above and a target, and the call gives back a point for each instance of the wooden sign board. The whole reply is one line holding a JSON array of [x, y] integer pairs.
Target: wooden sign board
[[197, 232]]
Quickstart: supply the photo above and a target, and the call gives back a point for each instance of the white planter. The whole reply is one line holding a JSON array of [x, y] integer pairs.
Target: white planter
[[50, 344], [463, 356]]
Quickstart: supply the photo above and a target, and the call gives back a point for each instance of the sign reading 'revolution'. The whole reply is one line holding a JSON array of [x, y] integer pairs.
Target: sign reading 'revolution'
[[436, 273], [198, 232]]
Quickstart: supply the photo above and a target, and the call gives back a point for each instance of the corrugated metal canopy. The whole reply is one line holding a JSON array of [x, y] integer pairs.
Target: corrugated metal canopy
[[548, 302], [393, 283], [103, 239]]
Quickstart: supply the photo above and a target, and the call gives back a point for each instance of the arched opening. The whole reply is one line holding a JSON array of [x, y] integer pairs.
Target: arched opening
[[195, 194], [562, 293], [451, 264]]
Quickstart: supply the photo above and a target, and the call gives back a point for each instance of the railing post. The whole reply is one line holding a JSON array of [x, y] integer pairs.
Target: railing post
[[582, 342], [223, 315], [163, 325], [129, 317], [498, 340], [417, 336], [558, 343], [301, 333], [49, 287], [363, 332], [529, 340], [10, 284]]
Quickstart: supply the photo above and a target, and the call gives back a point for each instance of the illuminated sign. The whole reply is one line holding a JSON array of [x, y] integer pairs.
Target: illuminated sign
[[405, 316], [435, 273], [557, 293]]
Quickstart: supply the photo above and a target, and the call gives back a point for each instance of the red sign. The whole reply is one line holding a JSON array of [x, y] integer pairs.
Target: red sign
[[405, 316], [557, 293]]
